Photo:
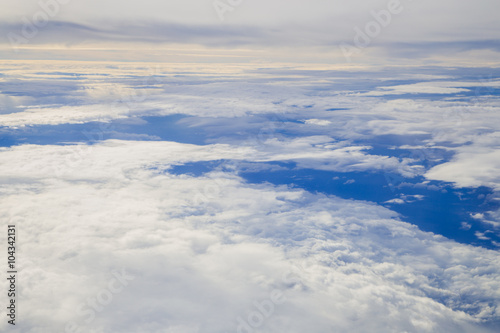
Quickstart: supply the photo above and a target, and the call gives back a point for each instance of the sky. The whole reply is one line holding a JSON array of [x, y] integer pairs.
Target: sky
[[250, 166], [424, 31]]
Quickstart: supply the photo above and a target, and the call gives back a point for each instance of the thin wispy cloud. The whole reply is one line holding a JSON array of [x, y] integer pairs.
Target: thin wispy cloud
[[321, 30]]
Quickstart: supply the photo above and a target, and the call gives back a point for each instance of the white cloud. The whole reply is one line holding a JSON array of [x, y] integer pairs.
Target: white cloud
[[237, 99], [434, 87], [396, 201], [63, 115], [319, 122], [481, 235], [417, 88], [202, 250], [478, 216], [465, 226], [319, 152], [473, 165]]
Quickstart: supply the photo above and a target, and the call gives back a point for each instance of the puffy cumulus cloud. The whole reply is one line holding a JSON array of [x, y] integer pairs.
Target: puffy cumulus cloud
[[470, 168], [447, 123], [317, 152], [473, 165], [262, 103], [218, 98], [119, 244], [319, 122], [396, 201], [269, 105], [73, 93], [63, 115], [417, 89], [435, 87], [405, 199], [111, 157]]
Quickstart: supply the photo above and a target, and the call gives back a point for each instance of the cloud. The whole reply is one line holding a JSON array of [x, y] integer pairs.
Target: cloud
[[265, 115], [319, 122], [418, 88], [473, 165], [437, 87], [478, 216], [449, 31], [465, 226], [63, 115], [61, 32], [204, 250], [396, 201]]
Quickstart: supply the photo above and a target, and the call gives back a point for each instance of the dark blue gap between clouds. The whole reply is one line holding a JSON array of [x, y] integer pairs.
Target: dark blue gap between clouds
[[442, 209], [164, 128]]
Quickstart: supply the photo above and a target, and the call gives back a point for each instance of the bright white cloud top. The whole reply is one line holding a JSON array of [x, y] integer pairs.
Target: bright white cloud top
[[203, 250]]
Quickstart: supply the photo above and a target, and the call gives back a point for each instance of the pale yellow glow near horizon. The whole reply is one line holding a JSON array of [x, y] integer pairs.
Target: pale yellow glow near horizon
[[313, 58]]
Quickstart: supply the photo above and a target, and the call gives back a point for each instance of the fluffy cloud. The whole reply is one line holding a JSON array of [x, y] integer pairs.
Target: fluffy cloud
[[436, 87], [106, 222], [201, 252], [318, 122], [474, 165], [264, 114]]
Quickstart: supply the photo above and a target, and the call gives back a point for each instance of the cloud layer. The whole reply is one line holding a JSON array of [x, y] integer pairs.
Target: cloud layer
[[422, 30], [112, 239], [202, 250]]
